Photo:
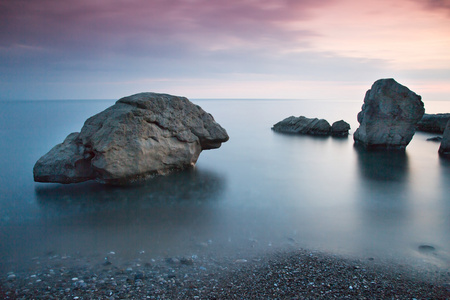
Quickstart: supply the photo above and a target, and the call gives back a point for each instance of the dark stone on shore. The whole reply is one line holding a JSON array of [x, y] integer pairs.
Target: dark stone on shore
[[139, 276], [141, 135], [340, 128], [444, 149], [303, 125], [172, 260], [186, 261], [435, 139], [388, 116], [433, 123]]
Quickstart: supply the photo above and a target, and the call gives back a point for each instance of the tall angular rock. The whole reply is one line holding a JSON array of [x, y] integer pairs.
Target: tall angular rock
[[139, 136], [444, 149], [389, 116]]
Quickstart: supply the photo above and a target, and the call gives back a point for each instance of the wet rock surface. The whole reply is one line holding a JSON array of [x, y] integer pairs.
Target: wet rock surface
[[388, 116], [139, 136], [433, 122], [311, 126], [296, 274]]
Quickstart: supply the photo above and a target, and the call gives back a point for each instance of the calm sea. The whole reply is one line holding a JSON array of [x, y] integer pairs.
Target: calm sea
[[260, 191]]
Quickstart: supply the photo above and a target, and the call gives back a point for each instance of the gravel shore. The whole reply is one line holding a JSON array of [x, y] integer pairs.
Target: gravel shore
[[297, 274]]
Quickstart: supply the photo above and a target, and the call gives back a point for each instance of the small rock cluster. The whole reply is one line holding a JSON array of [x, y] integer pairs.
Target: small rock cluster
[[311, 126], [437, 123], [389, 117]]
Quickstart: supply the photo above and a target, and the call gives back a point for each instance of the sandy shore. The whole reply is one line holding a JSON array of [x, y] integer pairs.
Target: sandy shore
[[297, 274]]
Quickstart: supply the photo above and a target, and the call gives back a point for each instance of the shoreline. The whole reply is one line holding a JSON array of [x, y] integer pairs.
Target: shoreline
[[287, 274]]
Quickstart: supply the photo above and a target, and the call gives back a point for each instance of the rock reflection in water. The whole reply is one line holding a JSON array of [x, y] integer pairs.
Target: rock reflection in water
[[161, 215], [189, 186], [382, 165], [384, 201]]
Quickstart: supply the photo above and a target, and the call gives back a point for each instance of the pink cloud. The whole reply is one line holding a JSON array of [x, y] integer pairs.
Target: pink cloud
[[117, 40]]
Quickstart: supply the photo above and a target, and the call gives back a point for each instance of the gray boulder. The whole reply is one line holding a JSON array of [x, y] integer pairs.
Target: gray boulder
[[139, 136], [433, 123], [340, 128], [303, 125], [389, 116], [444, 149]]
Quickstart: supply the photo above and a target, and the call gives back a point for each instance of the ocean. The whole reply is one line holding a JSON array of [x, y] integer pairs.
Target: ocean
[[261, 191]]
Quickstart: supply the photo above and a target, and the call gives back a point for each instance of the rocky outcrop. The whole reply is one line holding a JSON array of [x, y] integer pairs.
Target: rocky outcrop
[[139, 136], [303, 125], [340, 128], [444, 149], [311, 126], [389, 116], [433, 123]]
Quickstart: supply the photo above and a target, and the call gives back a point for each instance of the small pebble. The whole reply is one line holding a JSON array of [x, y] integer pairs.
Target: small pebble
[[11, 276], [307, 275], [187, 261]]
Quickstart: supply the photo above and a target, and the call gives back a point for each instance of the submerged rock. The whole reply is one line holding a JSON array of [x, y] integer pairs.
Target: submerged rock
[[389, 116], [444, 149], [433, 123], [140, 135], [303, 125]]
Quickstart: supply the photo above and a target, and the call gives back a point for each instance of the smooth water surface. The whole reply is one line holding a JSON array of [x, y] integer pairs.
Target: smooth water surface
[[261, 190]]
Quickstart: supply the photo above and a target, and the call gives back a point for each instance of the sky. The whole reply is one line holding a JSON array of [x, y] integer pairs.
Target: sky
[[271, 49]]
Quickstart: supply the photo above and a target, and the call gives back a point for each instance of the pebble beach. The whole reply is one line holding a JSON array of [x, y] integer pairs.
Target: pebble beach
[[293, 274]]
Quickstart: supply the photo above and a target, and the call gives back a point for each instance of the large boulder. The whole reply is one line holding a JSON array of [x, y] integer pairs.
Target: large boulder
[[139, 136], [389, 116], [433, 123], [444, 149], [303, 125]]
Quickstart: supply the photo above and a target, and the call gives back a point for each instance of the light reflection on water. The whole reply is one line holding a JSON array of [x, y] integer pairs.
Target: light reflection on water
[[259, 190]]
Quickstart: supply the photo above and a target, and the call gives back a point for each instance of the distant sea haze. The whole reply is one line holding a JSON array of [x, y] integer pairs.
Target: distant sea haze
[[260, 191]]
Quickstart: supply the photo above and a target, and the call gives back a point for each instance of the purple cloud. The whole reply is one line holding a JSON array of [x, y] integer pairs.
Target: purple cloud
[[136, 26], [57, 43]]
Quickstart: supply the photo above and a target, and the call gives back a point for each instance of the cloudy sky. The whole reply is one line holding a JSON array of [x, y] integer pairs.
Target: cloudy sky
[[313, 49]]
